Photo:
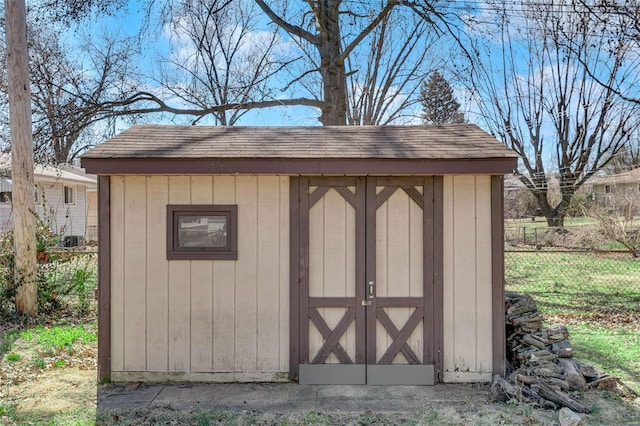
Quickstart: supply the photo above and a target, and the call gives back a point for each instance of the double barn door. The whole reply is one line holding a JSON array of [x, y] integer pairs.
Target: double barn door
[[366, 301]]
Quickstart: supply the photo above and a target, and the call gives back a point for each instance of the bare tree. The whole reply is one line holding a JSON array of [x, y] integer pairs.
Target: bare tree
[[220, 57], [69, 90], [384, 76], [620, 22], [627, 159], [339, 73], [328, 35], [70, 84], [537, 95], [616, 223]]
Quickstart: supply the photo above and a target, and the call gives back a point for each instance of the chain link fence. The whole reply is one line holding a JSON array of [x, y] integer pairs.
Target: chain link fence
[[577, 283]]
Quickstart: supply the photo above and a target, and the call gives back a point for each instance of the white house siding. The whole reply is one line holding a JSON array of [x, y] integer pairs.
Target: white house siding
[[6, 220], [68, 218], [213, 320], [91, 233], [467, 278], [71, 219]]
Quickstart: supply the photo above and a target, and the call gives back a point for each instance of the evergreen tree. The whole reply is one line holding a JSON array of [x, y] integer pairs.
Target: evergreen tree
[[439, 106]]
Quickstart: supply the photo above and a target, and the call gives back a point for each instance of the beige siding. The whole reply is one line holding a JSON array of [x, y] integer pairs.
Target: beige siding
[[467, 278], [217, 320], [157, 268]]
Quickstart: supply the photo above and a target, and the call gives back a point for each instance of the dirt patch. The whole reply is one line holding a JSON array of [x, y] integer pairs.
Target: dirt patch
[[36, 384], [66, 389]]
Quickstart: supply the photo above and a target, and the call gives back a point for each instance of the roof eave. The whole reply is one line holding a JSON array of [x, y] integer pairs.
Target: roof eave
[[299, 166]]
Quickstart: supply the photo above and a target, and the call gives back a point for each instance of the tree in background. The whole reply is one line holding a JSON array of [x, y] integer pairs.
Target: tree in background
[[72, 87], [534, 89], [384, 86], [439, 105], [70, 90], [627, 159], [220, 57], [337, 45]]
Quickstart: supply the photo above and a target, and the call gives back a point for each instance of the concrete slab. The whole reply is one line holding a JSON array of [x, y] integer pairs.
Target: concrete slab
[[142, 396], [387, 398], [290, 397], [253, 397]]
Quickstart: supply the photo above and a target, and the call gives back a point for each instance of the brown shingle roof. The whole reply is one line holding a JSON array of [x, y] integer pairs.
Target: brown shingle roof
[[460, 141], [332, 150]]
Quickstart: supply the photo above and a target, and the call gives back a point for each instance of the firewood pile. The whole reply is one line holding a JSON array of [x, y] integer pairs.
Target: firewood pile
[[542, 362]]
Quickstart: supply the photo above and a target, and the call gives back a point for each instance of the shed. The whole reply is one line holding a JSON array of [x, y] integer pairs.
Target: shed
[[331, 255]]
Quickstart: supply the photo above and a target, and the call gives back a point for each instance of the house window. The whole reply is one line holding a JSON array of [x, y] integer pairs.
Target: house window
[[69, 195], [608, 189], [202, 232]]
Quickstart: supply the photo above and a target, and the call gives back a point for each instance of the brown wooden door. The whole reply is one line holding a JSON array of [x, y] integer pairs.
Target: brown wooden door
[[365, 279]]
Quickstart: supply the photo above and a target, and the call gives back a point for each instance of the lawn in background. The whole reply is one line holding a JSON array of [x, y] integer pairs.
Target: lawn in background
[[597, 296]]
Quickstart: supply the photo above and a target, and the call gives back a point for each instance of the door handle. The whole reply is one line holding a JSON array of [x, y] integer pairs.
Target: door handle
[[371, 290]]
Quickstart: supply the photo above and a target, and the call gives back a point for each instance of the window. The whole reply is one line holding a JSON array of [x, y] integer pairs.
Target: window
[[69, 195], [205, 232], [608, 189], [5, 197]]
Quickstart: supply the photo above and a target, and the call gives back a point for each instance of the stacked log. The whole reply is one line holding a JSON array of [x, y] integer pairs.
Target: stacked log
[[541, 360]]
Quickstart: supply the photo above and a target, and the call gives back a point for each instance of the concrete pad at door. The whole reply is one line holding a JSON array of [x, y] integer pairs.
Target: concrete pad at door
[[140, 397], [254, 397]]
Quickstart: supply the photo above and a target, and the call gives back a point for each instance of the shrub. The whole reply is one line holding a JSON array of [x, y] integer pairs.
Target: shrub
[[57, 278]]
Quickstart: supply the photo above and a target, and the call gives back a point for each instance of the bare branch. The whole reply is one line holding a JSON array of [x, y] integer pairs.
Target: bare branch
[[367, 30], [292, 29]]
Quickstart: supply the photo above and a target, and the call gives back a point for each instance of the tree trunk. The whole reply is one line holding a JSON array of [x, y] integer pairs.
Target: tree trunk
[[24, 223], [332, 68]]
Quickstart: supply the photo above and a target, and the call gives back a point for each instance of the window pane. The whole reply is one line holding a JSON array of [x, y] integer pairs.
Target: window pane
[[202, 231]]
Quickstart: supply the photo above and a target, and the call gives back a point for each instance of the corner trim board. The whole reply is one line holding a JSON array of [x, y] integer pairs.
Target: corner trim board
[[104, 278], [497, 272]]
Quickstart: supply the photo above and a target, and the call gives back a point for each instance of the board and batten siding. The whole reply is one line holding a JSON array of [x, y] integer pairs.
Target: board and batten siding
[[199, 320], [467, 278]]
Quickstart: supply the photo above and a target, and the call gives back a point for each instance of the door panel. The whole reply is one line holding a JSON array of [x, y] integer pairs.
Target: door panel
[[399, 272], [364, 277], [332, 274]]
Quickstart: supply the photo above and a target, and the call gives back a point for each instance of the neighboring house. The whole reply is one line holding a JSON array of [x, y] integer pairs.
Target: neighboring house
[[329, 255], [65, 200], [620, 191]]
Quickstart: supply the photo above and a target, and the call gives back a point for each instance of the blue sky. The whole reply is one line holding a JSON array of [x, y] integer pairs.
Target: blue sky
[[129, 24]]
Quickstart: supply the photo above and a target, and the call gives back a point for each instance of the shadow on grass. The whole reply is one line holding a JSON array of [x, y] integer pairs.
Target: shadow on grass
[[609, 350], [584, 303]]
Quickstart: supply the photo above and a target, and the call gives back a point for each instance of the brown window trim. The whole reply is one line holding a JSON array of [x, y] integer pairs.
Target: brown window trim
[[229, 252]]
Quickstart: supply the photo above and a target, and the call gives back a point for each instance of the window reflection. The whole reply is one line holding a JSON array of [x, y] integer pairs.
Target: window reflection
[[202, 231]]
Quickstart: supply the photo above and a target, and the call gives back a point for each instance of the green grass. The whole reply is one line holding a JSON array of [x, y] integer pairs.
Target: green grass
[[597, 297], [12, 357], [576, 283], [616, 351], [58, 338]]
